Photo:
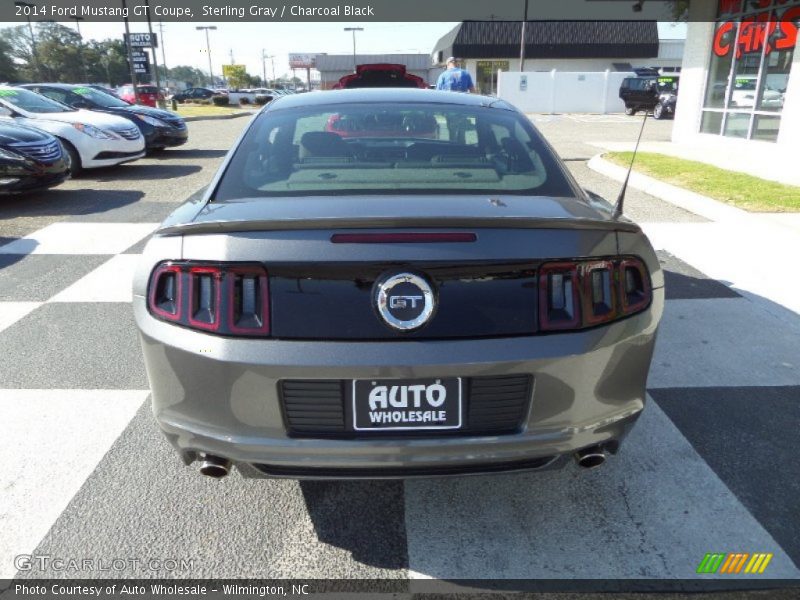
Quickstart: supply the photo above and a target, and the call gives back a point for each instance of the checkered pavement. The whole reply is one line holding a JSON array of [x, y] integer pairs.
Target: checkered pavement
[[708, 468]]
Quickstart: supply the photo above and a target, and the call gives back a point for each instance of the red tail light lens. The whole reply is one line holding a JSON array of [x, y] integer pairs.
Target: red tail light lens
[[559, 304], [580, 294], [205, 297], [634, 286], [599, 292], [224, 298], [165, 297], [248, 309]]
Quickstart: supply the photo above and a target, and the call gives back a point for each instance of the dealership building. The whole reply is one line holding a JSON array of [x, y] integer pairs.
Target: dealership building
[[740, 85], [486, 47]]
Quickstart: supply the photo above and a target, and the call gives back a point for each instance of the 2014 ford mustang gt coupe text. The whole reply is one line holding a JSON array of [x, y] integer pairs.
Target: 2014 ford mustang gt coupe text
[[391, 283]]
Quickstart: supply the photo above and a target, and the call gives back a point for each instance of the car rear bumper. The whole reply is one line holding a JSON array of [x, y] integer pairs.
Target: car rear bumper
[[220, 396]]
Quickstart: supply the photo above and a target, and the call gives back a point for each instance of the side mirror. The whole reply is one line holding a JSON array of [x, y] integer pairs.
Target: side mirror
[[5, 112], [80, 104]]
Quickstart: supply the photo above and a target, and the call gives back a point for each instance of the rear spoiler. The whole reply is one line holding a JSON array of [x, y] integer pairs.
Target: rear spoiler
[[439, 222]]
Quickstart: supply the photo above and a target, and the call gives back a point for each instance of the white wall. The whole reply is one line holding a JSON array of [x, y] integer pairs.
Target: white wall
[[563, 91], [598, 65]]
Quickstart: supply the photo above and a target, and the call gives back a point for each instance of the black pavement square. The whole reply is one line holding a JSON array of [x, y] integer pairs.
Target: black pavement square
[[748, 436], [684, 282], [74, 345], [38, 277]]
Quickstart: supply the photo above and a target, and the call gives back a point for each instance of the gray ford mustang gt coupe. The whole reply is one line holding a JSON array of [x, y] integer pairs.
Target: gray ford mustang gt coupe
[[351, 298]]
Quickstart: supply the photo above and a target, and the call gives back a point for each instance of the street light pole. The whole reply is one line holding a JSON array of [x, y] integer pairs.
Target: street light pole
[[130, 53], [354, 29], [34, 55], [78, 20], [522, 39], [160, 100], [208, 28], [163, 53], [264, 58]]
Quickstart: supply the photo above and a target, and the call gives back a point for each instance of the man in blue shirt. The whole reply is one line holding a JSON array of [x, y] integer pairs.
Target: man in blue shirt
[[455, 79]]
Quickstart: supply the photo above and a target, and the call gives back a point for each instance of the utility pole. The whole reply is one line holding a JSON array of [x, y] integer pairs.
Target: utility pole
[[34, 54], [130, 55], [354, 29], [78, 20], [163, 54], [522, 39], [160, 100], [208, 28], [264, 58]]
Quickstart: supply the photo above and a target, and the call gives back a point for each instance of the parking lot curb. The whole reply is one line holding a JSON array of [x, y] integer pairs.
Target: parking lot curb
[[698, 204], [219, 117]]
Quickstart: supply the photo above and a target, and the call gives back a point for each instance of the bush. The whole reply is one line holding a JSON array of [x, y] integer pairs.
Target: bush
[[243, 100], [220, 100], [262, 100]]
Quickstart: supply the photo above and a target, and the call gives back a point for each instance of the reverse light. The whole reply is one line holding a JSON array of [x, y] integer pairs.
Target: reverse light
[[579, 294], [223, 298]]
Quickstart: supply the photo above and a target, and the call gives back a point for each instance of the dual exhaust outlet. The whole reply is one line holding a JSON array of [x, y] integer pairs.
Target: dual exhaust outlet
[[214, 466], [218, 467], [591, 457]]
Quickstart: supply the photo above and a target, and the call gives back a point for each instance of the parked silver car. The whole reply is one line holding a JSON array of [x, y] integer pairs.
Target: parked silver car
[[383, 305]]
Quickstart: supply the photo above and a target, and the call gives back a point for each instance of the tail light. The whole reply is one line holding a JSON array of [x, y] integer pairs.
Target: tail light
[[224, 298], [579, 294], [559, 304]]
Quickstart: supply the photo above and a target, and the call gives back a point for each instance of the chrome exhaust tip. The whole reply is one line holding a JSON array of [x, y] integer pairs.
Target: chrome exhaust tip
[[590, 458], [214, 466]]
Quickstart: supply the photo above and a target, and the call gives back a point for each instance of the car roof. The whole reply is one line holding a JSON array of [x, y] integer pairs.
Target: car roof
[[386, 95], [63, 86]]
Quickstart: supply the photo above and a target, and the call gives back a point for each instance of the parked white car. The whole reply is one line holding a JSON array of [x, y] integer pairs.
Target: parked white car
[[92, 139], [744, 94]]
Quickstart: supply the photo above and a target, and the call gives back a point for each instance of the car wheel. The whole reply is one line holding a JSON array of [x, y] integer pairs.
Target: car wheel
[[75, 165], [630, 111], [658, 111]]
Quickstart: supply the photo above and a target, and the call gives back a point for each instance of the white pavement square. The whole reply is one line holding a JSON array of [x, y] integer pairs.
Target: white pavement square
[[11, 312], [80, 238], [51, 441], [724, 342], [652, 511], [110, 282], [749, 257]]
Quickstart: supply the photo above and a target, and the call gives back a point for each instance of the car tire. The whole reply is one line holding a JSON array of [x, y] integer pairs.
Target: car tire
[[658, 111], [75, 165], [630, 111]]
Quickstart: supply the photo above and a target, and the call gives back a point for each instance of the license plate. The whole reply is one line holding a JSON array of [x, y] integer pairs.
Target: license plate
[[402, 404]]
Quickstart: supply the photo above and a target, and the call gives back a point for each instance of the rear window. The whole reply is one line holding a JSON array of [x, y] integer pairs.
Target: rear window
[[390, 149], [148, 89]]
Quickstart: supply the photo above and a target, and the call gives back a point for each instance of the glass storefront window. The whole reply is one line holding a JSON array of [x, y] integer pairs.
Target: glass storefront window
[[737, 125], [711, 123], [766, 128], [752, 53]]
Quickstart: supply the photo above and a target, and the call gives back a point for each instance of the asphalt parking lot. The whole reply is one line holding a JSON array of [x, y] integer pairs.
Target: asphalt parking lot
[[709, 468]]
